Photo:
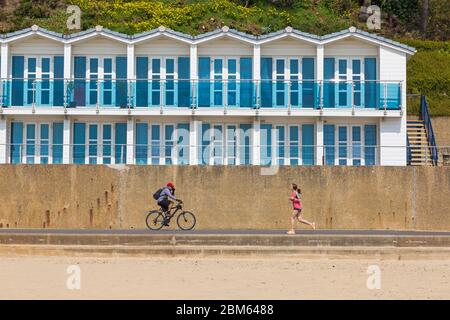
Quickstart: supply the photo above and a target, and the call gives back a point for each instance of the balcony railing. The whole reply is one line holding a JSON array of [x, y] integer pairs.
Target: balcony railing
[[171, 153], [167, 93]]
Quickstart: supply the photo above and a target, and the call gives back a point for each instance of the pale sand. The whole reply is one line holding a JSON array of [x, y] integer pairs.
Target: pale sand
[[221, 278]]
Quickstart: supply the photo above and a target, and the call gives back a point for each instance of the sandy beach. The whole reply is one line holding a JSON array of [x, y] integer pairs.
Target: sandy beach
[[221, 278]]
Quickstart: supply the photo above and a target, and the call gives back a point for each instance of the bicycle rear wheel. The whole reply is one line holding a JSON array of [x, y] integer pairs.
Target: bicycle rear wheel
[[155, 220], [186, 221]]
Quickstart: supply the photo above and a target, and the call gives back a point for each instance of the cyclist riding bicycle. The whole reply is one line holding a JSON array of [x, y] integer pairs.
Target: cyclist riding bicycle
[[165, 199]]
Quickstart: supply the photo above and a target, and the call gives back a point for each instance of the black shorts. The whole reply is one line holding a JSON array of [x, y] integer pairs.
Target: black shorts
[[164, 204]]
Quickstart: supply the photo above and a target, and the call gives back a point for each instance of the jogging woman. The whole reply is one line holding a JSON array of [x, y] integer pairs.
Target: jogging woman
[[297, 207]]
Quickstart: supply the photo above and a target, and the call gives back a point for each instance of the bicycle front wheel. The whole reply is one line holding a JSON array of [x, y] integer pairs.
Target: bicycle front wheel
[[155, 220], [186, 221]]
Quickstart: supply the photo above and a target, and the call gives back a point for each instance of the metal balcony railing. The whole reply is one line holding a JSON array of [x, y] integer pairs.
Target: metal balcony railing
[[216, 153], [217, 93]]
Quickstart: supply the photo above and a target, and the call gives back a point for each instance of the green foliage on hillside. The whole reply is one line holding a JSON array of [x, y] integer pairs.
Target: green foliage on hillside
[[428, 70], [429, 74]]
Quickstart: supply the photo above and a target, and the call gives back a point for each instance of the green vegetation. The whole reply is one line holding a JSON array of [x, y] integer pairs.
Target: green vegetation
[[423, 24]]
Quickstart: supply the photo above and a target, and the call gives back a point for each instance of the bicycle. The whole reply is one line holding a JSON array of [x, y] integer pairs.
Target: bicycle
[[156, 219]]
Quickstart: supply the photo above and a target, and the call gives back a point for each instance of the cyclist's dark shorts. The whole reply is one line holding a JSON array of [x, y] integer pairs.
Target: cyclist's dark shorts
[[164, 204]]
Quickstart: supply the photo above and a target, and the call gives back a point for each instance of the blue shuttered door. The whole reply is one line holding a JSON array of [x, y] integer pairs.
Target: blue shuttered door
[[371, 88], [141, 143], [18, 65], [142, 82], [329, 87], [79, 143], [58, 140], [329, 143], [370, 141], [184, 85], [16, 142], [121, 82], [308, 144], [79, 97], [266, 83], [121, 143], [58, 86], [309, 90], [204, 86], [246, 94]]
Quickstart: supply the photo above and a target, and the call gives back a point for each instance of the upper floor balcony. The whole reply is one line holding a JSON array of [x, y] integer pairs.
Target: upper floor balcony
[[173, 94]]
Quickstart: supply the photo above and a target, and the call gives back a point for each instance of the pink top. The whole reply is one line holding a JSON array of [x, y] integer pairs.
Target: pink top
[[296, 203]]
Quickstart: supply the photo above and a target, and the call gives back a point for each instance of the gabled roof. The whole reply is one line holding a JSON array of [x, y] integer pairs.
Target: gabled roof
[[368, 36], [224, 32]]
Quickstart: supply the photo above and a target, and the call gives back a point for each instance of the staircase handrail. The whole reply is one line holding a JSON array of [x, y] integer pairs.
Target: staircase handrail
[[408, 152], [425, 114]]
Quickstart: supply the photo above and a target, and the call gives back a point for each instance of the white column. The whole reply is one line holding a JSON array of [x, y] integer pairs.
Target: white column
[[3, 140], [194, 137], [67, 67], [4, 66], [256, 142], [319, 142], [131, 72], [256, 62], [257, 69], [66, 141], [194, 71], [320, 51], [319, 67], [4, 61], [67, 61], [194, 61], [130, 141]]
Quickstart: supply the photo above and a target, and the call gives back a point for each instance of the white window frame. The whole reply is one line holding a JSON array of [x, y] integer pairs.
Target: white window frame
[[163, 155], [227, 144], [101, 158], [88, 144], [50, 142]]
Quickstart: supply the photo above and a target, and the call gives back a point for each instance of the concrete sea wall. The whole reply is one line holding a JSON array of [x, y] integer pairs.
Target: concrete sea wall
[[103, 197]]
